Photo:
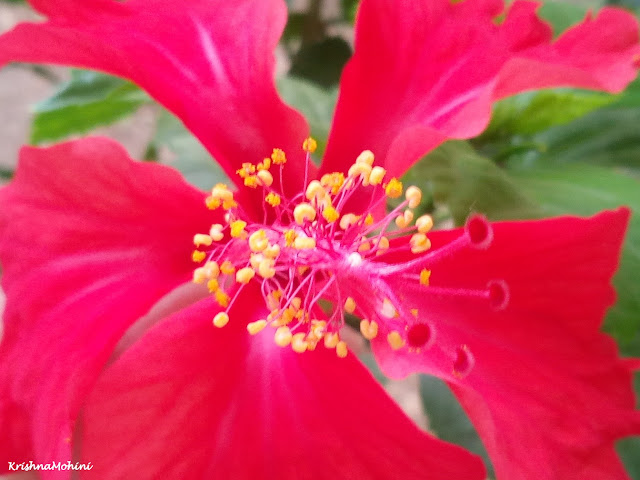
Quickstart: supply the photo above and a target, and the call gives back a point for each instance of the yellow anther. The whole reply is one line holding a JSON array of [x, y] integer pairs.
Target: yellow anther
[[272, 251], [368, 220], [377, 175], [341, 349], [424, 223], [330, 214], [395, 340], [220, 195], [222, 298], [227, 204], [273, 199], [414, 312], [283, 336], [251, 181], [331, 340], [213, 285], [265, 178], [296, 303], [290, 237], [304, 212], [221, 319], [393, 189], [216, 232], [237, 228], [425, 275], [366, 157], [369, 329], [315, 190], [403, 220], [278, 157], [246, 170], [318, 328], [349, 305], [332, 181], [227, 268], [256, 327], [244, 275], [198, 256], [362, 170], [302, 269], [212, 202], [273, 301], [287, 316], [419, 243], [221, 191], [266, 269], [255, 260], [347, 220], [200, 239], [382, 245], [304, 243], [388, 309], [264, 164], [199, 275], [311, 344], [309, 145], [298, 343], [414, 196], [258, 241], [364, 246], [274, 318], [212, 269]]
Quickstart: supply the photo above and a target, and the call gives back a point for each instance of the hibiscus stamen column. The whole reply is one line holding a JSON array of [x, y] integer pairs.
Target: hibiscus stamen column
[[315, 248]]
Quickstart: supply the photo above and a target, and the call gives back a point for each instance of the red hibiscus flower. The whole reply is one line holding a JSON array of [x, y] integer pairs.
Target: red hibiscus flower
[[109, 354]]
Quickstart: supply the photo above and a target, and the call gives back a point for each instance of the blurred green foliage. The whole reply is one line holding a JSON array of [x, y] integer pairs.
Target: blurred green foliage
[[448, 421], [552, 152], [88, 100]]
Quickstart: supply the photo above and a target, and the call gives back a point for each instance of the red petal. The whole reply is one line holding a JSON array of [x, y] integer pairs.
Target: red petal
[[424, 72], [209, 62], [192, 401], [89, 240], [546, 390]]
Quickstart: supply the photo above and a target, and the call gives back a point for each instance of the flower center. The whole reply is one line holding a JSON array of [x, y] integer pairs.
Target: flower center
[[316, 261]]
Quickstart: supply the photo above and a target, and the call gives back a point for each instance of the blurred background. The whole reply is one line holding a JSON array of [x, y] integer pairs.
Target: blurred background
[[545, 153]]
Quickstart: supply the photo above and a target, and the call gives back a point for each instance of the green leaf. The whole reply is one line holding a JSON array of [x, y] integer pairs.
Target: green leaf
[[447, 420], [585, 190], [632, 4], [322, 62], [562, 15], [456, 176], [295, 26], [629, 448], [369, 361], [350, 9], [87, 101], [6, 173], [607, 137], [186, 153], [533, 112], [315, 103]]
